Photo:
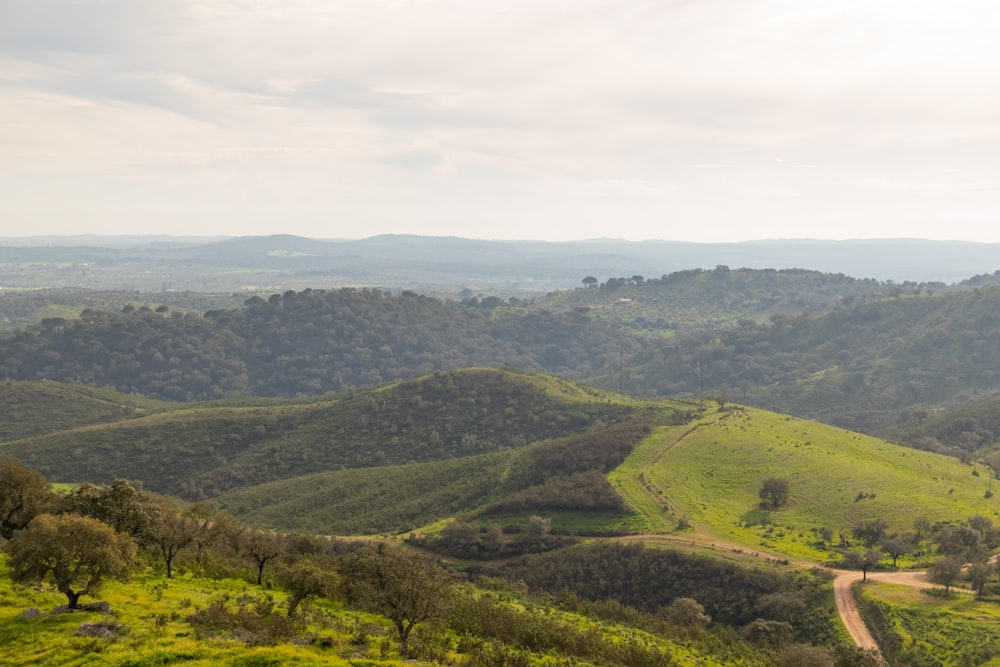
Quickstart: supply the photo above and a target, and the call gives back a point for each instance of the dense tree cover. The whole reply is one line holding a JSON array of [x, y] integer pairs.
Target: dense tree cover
[[35, 408], [651, 579], [866, 364], [310, 342], [565, 473], [963, 430], [864, 367], [209, 449], [709, 299], [22, 308]]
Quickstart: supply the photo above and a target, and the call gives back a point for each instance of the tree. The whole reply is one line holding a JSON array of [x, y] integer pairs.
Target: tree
[[896, 547], [24, 494], [407, 588], [306, 577], [589, 281], [979, 574], [870, 532], [773, 493], [171, 531], [945, 571], [861, 560], [687, 612], [921, 525], [262, 547], [77, 553], [849, 655], [121, 506]]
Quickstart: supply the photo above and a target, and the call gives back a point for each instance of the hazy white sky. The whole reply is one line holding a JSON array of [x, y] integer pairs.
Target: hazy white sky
[[702, 120]]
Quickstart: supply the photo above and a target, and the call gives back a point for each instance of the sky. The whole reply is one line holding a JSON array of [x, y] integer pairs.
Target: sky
[[693, 120]]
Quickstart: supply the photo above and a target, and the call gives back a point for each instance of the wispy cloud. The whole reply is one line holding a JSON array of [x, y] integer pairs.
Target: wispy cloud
[[554, 116]]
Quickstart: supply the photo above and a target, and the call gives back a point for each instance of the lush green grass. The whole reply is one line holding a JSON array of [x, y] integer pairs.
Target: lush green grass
[[927, 627], [154, 611], [711, 476]]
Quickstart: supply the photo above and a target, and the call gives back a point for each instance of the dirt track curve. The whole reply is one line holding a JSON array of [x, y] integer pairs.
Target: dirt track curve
[[843, 580]]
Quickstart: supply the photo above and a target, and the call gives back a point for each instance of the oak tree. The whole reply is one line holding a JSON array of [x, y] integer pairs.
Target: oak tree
[[407, 588]]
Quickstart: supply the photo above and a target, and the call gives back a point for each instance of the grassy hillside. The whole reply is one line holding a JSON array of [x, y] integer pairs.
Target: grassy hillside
[[33, 408], [708, 475], [152, 615], [922, 627], [205, 449], [545, 477]]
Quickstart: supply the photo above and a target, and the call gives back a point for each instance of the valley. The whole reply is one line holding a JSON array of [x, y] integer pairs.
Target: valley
[[715, 467]]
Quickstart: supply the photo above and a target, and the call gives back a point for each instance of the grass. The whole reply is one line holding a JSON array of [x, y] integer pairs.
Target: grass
[[154, 610], [930, 628], [709, 477]]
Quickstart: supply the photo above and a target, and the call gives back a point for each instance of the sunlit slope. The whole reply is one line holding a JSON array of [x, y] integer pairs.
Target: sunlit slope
[[709, 473]]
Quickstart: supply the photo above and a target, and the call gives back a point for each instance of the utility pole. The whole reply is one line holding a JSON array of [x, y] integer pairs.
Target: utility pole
[[701, 387]]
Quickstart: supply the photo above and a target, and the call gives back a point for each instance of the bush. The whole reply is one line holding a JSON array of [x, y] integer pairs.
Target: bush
[[255, 622]]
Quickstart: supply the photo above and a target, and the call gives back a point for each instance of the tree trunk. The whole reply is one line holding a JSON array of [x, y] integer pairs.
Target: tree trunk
[[73, 597], [404, 638]]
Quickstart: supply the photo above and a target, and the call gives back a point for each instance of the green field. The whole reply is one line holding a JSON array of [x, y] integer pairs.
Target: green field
[[708, 474]]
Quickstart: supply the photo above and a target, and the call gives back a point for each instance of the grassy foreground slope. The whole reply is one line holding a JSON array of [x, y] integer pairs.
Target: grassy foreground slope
[[152, 618], [708, 475]]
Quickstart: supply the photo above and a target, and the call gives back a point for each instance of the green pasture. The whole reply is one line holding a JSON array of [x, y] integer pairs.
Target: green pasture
[[705, 478], [928, 627]]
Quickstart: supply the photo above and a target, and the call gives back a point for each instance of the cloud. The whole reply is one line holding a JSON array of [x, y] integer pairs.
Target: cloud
[[546, 110]]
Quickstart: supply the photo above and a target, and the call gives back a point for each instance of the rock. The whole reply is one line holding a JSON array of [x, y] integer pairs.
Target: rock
[[30, 614], [102, 630]]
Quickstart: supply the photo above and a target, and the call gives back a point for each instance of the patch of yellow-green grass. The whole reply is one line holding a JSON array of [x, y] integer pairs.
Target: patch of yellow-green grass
[[838, 479], [634, 479], [154, 611], [957, 629]]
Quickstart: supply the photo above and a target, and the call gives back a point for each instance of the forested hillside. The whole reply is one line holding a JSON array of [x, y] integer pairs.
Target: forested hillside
[[305, 343], [869, 362], [865, 367], [205, 448], [698, 299]]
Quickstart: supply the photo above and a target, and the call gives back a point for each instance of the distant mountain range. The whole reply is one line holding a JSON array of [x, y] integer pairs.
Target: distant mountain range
[[445, 265]]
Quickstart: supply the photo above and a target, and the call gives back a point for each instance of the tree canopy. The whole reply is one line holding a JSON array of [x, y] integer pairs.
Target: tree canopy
[[78, 554]]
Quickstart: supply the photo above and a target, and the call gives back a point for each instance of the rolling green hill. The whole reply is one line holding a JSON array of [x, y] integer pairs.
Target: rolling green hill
[[490, 445], [203, 449], [540, 478], [706, 476]]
